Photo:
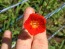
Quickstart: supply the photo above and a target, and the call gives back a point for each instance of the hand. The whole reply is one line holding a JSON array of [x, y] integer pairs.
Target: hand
[[25, 40]]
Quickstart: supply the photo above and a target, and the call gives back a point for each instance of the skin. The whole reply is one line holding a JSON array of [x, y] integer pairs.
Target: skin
[[25, 40]]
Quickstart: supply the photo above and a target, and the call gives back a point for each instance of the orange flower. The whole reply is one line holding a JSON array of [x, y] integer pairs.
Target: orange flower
[[35, 24]]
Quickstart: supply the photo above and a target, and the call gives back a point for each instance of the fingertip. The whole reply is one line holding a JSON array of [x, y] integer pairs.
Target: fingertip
[[41, 35], [6, 40], [27, 12], [7, 33], [40, 41]]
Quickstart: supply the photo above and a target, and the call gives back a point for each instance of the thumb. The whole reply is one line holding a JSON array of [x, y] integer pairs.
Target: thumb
[[40, 41]]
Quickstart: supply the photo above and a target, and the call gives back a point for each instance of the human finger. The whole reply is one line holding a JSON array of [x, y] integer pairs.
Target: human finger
[[6, 41], [24, 39]]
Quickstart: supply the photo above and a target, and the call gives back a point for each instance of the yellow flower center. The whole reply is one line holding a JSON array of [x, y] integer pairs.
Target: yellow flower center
[[34, 24]]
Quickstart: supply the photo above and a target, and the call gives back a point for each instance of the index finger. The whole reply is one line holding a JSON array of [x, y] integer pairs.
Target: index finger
[[24, 39]]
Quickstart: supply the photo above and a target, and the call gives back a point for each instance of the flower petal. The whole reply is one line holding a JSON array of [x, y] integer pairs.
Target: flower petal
[[37, 18]]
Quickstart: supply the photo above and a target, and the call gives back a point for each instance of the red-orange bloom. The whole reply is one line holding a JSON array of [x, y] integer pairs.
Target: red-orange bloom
[[35, 24]]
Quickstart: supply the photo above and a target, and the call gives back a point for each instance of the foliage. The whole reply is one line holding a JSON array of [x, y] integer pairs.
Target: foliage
[[41, 6]]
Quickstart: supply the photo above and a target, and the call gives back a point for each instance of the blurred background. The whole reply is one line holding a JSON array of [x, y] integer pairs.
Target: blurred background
[[9, 17]]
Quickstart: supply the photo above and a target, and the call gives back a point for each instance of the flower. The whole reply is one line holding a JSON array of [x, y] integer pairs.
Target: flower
[[35, 24]]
